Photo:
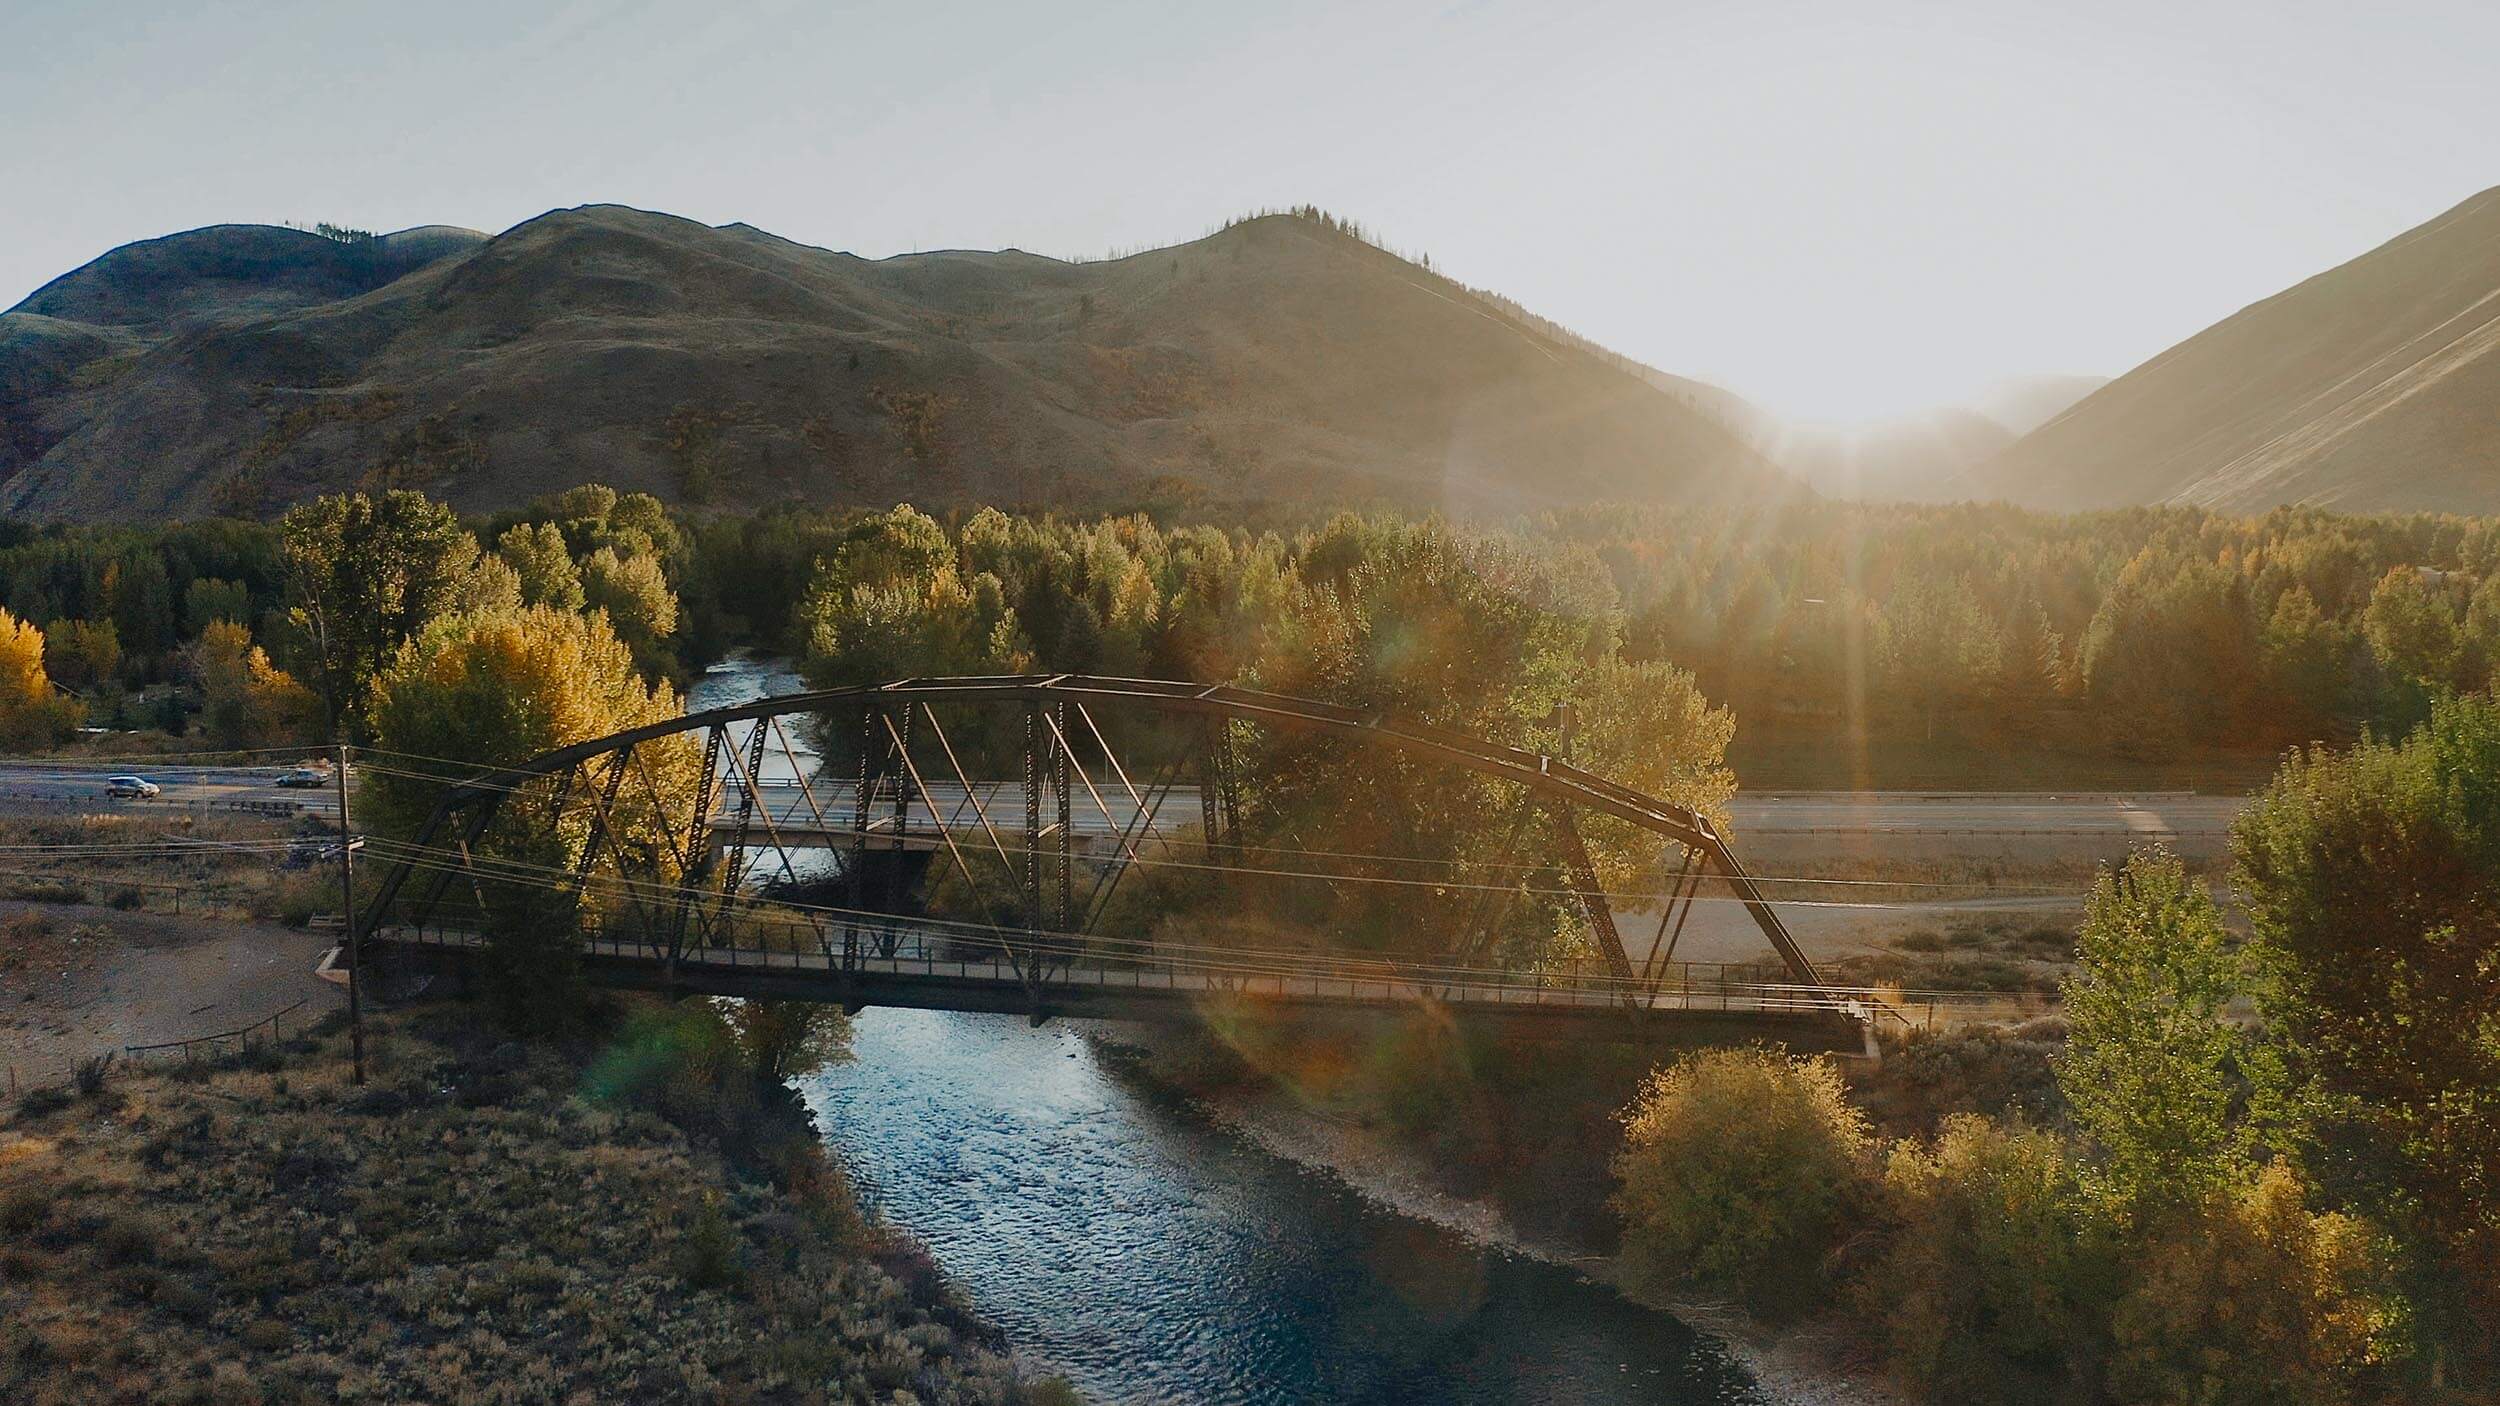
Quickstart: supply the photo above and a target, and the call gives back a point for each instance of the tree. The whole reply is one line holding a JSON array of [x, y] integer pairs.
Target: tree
[[2372, 881], [1738, 1169], [246, 700], [636, 596], [930, 624], [32, 714], [364, 574], [209, 599], [1941, 647], [2171, 654], [2413, 635], [495, 689], [785, 1040], [2155, 1070], [2308, 661], [1647, 726], [82, 654], [548, 576]]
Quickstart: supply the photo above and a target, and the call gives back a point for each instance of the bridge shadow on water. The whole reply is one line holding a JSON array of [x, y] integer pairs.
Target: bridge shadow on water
[[1120, 1237]]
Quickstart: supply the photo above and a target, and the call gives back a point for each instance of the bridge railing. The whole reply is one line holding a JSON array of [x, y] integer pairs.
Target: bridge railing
[[899, 947]]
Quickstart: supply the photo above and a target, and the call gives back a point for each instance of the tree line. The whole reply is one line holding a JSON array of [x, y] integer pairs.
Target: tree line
[[2143, 632]]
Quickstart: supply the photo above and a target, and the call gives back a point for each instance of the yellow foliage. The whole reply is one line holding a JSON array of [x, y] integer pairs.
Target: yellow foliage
[[249, 701], [1738, 1169], [32, 714], [497, 689], [2254, 1297]]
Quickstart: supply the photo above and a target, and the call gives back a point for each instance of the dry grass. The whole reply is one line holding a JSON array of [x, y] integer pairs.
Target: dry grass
[[182, 853], [463, 1229]]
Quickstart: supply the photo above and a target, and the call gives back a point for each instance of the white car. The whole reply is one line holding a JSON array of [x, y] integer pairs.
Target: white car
[[130, 788]]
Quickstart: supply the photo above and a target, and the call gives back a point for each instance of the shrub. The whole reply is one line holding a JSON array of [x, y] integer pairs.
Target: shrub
[[24, 1208], [1738, 1166], [294, 899], [50, 1098], [1999, 1266], [267, 1335], [127, 1239], [46, 891], [1053, 1391], [2254, 1297], [1930, 1075], [707, 1258], [90, 1076]]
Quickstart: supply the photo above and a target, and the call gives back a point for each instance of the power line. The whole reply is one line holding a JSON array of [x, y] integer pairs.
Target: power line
[[928, 803]]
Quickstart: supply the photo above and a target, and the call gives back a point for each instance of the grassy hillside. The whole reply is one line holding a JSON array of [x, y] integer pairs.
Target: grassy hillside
[[1281, 358], [2371, 387]]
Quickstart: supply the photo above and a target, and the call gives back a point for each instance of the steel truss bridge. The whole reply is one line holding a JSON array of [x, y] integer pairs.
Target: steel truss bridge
[[714, 854]]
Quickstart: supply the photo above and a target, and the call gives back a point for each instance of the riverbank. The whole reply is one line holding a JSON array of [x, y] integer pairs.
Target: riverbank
[[1797, 1366], [481, 1221]]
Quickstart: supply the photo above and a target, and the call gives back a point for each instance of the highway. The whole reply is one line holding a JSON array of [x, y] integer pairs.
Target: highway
[[1970, 812], [1786, 820], [52, 787]]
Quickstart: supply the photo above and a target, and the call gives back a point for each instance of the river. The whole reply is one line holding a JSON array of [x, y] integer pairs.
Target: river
[[1127, 1240]]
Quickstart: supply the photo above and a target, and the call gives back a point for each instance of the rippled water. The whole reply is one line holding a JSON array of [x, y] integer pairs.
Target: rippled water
[[1152, 1256], [1123, 1239]]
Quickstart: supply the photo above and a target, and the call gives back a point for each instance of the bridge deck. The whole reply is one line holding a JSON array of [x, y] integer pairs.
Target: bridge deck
[[1687, 1014]]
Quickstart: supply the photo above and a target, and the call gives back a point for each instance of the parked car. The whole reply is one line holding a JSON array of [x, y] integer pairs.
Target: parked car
[[131, 788], [305, 776]]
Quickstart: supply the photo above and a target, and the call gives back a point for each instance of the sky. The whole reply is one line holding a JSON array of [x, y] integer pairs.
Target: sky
[[1844, 210]]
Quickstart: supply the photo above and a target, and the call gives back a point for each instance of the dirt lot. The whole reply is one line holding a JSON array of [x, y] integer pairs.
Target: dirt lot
[[77, 981]]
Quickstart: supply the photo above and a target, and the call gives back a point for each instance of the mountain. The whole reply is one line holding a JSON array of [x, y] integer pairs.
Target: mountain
[[240, 368], [2024, 403], [2374, 386]]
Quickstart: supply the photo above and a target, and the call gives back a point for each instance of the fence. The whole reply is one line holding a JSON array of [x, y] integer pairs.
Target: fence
[[52, 886], [273, 1023]]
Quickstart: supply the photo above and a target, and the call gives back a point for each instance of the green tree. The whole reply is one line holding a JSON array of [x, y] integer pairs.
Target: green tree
[[1738, 1169], [1942, 649], [2156, 1070], [83, 654], [2308, 661], [2372, 882], [548, 576], [364, 574], [208, 599], [2413, 635], [636, 595], [2171, 653]]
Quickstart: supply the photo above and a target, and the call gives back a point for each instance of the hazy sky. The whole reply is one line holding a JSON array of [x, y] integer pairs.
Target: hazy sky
[[1843, 209]]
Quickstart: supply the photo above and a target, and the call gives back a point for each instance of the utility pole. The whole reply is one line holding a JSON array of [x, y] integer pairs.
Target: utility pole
[[355, 941]]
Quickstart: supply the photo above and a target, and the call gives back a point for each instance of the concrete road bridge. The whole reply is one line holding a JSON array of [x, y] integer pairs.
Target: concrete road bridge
[[882, 862]]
